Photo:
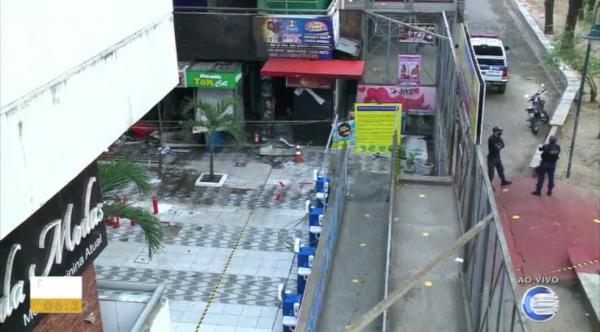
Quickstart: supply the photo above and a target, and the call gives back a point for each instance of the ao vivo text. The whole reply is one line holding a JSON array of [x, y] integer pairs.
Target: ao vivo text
[[539, 280]]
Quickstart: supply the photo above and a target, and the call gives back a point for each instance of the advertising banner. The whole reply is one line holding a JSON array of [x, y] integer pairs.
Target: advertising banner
[[344, 134], [375, 124], [471, 85], [60, 239], [409, 68], [418, 98], [408, 35], [303, 37]]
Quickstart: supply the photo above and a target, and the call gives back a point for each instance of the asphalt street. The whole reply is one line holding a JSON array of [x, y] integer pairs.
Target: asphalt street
[[526, 73]]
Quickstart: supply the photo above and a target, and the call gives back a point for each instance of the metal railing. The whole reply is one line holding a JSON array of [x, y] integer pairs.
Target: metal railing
[[490, 288], [314, 294]]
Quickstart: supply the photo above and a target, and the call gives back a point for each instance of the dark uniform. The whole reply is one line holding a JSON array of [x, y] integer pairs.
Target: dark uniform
[[550, 154], [495, 144]]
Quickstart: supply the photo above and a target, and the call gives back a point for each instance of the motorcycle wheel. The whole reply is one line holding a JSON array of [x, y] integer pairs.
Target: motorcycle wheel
[[535, 127], [545, 116]]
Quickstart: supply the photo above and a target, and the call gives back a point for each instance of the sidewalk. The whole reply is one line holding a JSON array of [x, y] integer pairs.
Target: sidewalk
[[357, 274], [541, 230], [231, 243], [427, 222]]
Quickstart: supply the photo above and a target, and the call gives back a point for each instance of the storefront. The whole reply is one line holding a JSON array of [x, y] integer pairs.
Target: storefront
[[212, 82], [62, 238]]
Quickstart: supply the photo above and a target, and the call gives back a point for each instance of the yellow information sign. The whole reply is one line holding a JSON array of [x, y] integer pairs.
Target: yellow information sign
[[375, 125], [56, 306]]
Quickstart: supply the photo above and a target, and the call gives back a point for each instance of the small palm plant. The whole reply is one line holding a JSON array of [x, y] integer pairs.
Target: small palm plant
[[115, 176], [214, 118]]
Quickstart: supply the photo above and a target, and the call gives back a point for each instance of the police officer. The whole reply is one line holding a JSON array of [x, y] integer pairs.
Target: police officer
[[550, 154], [495, 144]]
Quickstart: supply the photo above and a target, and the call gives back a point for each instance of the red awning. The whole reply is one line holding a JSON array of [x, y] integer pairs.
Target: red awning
[[349, 69]]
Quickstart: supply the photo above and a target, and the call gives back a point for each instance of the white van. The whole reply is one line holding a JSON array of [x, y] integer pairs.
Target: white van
[[491, 58]]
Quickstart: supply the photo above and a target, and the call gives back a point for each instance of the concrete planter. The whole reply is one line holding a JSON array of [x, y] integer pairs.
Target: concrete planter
[[203, 182]]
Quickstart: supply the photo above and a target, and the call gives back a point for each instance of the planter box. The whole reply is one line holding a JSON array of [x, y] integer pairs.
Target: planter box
[[201, 183]]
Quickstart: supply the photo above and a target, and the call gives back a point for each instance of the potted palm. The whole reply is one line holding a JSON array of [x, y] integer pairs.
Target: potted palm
[[410, 164], [213, 119], [115, 176]]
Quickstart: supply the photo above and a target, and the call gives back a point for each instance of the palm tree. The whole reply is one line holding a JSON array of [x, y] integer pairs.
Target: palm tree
[[117, 175], [213, 118]]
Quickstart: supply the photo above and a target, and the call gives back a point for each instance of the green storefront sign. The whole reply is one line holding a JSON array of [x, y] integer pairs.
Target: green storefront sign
[[213, 76]]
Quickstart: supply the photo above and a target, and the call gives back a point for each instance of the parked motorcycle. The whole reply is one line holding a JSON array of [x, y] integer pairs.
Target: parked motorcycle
[[536, 114]]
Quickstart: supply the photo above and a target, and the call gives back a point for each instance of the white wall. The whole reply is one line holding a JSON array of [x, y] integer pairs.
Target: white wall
[[48, 138], [43, 39], [162, 320]]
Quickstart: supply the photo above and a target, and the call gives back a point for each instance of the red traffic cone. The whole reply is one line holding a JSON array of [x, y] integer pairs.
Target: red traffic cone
[[298, 155]]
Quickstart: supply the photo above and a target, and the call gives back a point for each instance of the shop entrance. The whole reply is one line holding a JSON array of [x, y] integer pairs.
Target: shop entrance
[[283, 98]]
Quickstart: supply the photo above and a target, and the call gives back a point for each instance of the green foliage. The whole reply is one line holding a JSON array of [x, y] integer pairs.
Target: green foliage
[[148, 222], [215, 118], [410, 158], [114, 177], [566, 50], [120, 173]]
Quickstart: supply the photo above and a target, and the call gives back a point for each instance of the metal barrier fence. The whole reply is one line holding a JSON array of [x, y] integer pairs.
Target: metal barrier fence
[[314, 294], [490, 288]]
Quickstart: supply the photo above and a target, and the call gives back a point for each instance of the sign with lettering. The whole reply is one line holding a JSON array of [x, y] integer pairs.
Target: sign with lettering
[[60, 239], [375, 125], [297, 36], [197, 79]]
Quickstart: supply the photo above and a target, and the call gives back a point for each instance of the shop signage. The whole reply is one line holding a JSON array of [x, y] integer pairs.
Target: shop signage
[[344, 134], [375, 126], [308, 82], [417, 98], [208, 80], [300, 36], [409, 68], [60, 239]]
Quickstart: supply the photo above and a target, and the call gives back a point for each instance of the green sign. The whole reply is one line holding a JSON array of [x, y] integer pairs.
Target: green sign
[[212, 80]]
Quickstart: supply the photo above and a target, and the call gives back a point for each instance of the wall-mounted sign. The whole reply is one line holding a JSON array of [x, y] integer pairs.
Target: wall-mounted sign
[[308, 82], [344, 134], [418, 98], [408, 35], [305, 37], [409, 68], [60, 239], [375, 126], [213, 75]]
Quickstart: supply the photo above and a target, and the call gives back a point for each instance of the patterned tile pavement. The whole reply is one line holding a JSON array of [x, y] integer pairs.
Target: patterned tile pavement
[[201, 227]]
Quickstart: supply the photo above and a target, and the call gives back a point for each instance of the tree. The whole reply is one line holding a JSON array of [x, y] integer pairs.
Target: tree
[[549, 16], [571, 22], [115, 176], [563, 50], [214, 118]]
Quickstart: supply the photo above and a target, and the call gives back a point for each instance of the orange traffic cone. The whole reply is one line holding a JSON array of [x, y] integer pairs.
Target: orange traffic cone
[[298, 155]]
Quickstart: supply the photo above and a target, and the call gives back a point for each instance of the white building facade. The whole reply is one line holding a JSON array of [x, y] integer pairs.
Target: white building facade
[[74, 75]]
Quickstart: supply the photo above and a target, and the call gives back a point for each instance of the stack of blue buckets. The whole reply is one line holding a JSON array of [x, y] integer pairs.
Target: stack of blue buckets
[[315, 209]]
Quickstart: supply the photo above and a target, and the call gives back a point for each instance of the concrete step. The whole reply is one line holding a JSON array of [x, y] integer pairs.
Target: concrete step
[[587, 268]]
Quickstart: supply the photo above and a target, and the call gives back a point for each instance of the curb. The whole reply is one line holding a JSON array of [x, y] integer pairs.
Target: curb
[[571, 76]]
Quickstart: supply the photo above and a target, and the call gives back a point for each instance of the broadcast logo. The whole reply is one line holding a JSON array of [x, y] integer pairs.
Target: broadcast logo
[[540, 303]]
